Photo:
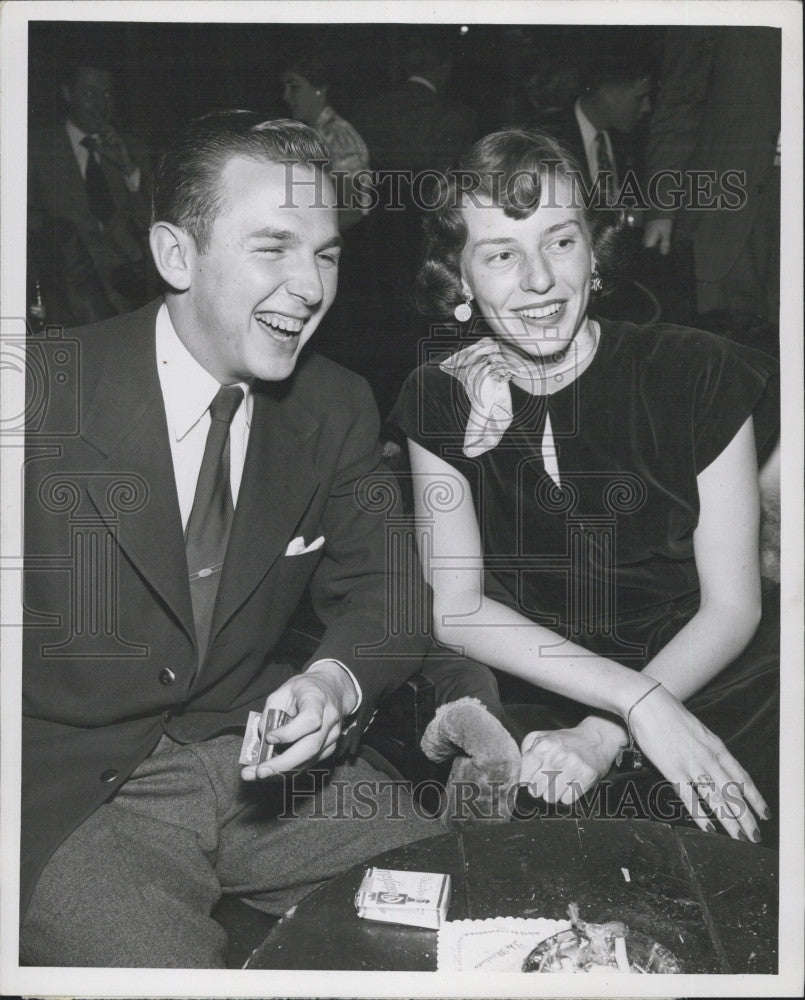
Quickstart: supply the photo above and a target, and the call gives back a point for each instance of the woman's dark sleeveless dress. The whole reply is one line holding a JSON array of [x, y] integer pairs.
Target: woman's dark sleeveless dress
[[606, 558]]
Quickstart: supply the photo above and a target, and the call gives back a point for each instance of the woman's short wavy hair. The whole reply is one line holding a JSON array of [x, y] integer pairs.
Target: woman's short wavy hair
[[510, 166]]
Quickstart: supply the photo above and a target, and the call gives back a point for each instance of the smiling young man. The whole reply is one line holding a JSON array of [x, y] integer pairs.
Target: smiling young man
[[210, 479]]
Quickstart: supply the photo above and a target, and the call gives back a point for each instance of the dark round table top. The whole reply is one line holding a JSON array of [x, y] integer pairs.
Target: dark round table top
[[710, 900]]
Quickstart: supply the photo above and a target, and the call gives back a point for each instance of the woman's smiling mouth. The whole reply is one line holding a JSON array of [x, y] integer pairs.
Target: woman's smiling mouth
[[547, 311]]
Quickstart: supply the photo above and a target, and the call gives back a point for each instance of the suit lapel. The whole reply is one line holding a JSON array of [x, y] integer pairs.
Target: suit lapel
[[279, 481], [126, 422]]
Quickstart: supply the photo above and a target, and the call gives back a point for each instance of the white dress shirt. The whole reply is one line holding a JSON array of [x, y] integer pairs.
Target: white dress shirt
[[588, 134], [187, 391]]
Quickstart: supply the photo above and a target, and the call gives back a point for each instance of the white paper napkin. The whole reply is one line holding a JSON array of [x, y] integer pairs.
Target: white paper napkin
[[498, 944]]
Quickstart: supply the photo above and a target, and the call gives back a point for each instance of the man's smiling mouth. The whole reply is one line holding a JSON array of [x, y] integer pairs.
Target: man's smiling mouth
[[279, 324]]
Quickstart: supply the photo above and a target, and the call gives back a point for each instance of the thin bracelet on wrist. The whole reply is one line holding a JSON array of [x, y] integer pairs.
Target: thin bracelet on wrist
[[630, 757]]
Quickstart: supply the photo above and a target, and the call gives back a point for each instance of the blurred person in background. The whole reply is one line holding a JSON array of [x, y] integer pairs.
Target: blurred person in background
[[601, 127], [305, 89], [606, 131], [89, 192], [718, 110], [418, 125]]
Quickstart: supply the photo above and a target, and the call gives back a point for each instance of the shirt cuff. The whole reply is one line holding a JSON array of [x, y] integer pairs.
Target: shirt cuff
[[133, 180], [352, 677]]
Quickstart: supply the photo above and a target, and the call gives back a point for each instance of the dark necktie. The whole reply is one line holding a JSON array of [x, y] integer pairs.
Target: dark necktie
[[208, 526], [605, 164], [99, 197]]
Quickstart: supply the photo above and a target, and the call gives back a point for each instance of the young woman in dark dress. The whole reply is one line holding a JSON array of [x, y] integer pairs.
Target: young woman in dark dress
[[586, 492]]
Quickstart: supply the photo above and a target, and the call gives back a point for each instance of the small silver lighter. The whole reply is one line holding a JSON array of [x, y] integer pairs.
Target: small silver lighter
[[274, 719]]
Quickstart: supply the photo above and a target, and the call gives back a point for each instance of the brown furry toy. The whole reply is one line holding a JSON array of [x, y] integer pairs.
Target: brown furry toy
[[486, 768]]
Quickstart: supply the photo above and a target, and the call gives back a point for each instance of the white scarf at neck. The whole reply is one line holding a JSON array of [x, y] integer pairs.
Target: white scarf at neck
[[485, 374]]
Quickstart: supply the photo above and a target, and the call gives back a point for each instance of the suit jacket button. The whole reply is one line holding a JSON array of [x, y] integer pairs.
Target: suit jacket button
[[166, 676], [108, 776], [167, 716]]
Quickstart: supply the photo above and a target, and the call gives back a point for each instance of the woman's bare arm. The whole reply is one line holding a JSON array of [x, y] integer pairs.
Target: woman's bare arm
[[484, 629], [681, 747], [726, 549]]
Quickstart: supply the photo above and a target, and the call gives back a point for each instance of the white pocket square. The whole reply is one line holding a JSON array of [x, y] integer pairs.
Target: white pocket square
[[297, 547]]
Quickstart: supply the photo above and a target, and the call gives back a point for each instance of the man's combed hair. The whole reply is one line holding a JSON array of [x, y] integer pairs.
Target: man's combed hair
[[187, 190], [510, 167]]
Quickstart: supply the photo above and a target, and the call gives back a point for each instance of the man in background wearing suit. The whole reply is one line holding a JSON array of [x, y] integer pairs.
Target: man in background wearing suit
[[201, 472], [89, 205], [599, 130], [417, 125], [604, 132]]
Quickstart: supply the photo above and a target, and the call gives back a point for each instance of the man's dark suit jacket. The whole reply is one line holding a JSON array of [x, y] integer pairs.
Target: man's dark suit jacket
[[114, 257], [564, 127], [109, 658]]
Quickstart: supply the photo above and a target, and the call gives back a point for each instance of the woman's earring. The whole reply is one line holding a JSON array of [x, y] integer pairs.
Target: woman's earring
[[596, 284], [463, 311]]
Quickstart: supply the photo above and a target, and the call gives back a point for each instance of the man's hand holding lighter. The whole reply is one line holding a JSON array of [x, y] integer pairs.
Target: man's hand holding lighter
[[317, 702]]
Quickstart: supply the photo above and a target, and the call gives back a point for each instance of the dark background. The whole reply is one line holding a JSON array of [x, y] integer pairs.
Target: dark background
[[167, 72]]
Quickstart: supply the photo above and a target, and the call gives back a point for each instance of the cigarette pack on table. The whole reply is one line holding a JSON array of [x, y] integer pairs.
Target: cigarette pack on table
[[419, 899]]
